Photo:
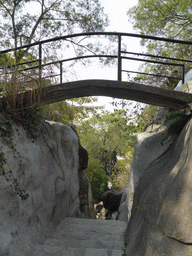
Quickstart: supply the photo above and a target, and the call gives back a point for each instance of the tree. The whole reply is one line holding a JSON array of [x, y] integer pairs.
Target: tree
[[98, 179], [107, 135], [20, 25], [71, 112], [120, 175], [168, 18]]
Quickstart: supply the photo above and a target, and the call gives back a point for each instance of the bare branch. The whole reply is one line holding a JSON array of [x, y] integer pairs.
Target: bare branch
[[83, 46]]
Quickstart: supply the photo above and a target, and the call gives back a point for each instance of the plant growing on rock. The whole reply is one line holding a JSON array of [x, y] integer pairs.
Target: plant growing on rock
[[176, 120], [10, 178]]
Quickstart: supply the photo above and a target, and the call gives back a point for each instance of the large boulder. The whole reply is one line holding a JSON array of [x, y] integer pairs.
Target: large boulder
[[161, 216], [111, 200], [149, 146], [39, 186], [157, 201], [85, 193]]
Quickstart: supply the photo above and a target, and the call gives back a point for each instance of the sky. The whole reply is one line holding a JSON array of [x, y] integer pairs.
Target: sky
[[118, 19], [117, 12], [118, 22]]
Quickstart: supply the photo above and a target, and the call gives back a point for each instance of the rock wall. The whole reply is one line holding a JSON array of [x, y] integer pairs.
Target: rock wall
[[149, 146], [161, 216], [39, 186], [157, 200]]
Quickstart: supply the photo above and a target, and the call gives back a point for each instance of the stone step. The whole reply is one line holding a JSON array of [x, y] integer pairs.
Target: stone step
[[73, 226], [57, 251], [87, 237]]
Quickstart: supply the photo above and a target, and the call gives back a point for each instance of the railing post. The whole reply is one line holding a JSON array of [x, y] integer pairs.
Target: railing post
[[40, 63], [61, 71], [183, 74], [119, 58]]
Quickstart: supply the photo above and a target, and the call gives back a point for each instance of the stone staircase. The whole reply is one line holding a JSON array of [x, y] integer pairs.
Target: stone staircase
[[87, 237]]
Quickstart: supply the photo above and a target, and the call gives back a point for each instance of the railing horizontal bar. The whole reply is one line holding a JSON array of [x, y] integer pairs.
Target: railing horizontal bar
[[24, 69], [50, 76], [79, 57], [100, 33], [19, 64], [90, 56], [156, 56], [142, 73], [152, 61], [70, 59]]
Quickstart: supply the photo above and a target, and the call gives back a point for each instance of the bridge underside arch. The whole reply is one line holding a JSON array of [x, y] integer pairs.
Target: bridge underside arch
[[117, 89]]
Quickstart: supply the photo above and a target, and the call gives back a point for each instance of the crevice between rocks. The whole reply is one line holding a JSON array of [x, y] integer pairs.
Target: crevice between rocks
[[177, 240]]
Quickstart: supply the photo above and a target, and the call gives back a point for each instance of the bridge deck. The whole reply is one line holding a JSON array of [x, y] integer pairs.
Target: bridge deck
[[124, 90], [117, 89]]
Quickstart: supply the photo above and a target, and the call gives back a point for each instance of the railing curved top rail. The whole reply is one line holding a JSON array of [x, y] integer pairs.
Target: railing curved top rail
[[119, 55], [101, 33]]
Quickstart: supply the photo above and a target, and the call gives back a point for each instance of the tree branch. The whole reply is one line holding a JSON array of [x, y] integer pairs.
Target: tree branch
[[5, 7]]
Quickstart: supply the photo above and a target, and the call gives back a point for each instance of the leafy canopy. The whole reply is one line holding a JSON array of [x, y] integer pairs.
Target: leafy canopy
[[27, 21], [21, 25], [98, 179], [167, 18], [71, 112], [107, 132]]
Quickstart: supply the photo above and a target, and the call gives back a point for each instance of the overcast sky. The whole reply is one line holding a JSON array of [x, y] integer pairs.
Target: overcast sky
[[118, 18], [117, 12]]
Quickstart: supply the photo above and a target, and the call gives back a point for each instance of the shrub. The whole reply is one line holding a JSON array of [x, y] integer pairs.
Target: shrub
[[176, 120], [120, 175], [98, 179]]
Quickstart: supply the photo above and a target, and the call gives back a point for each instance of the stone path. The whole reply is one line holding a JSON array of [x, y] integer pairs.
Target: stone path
[[87, 237]]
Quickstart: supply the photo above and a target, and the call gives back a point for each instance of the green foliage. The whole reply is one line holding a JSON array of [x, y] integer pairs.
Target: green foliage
[[30, 119], [20, 192], [5, 59], [20, 25], [175, 121], [5, 125], [190, 252], [14, 184], [7, 172], [171, 19], [120, 175], [107, 132], [71, 111], [146, 115], [98, 179], [166, 18]]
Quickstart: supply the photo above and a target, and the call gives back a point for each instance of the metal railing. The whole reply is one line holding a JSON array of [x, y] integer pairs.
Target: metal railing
[[121, 54]]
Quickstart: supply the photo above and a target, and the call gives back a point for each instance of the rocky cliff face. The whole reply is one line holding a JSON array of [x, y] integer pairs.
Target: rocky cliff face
[[149, 146], [161, 215], [157, 201], [39, 185]]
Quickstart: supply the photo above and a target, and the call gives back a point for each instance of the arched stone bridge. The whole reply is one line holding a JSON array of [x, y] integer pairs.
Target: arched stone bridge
[[117, 89]]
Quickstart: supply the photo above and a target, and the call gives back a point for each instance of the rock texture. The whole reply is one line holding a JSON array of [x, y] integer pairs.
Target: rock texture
[[161, 217], [149, 146], [39, 186], [157, 201]]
